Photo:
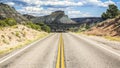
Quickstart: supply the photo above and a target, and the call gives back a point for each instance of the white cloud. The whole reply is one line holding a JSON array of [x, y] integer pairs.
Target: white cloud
[[109, 2], [54, 2], [65, 5], [41, 12], [34, 11], [74, 14], [10, 3], [69, 2], [98, 3]]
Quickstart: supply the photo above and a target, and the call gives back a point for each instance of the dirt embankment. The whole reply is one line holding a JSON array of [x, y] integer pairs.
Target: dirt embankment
[[110, 27]]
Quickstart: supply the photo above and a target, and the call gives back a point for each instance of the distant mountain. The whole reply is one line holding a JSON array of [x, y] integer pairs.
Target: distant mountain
[[7, 11], [87, 20], [54, 18], [110, 27]]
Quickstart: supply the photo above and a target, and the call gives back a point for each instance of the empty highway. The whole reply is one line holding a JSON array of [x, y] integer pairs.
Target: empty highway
[[64, 50]]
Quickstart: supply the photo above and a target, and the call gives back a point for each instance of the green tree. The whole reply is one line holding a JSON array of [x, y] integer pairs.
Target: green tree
[[111, 12], [46, 28], [104, 16]]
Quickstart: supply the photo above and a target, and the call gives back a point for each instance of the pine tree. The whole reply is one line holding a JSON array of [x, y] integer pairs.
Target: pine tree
[[111, 12]]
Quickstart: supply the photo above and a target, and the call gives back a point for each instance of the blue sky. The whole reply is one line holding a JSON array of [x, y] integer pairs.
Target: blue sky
[[72, 8]]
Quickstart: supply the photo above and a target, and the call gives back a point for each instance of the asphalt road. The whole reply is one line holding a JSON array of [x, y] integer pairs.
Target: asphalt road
[[79, 53]]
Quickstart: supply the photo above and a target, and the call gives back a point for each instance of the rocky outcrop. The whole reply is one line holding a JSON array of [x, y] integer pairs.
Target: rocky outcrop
[[54, 18], [110, 27], [7, 11], [57, 21]]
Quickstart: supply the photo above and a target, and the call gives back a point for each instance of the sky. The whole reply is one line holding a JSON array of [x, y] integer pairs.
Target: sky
[[72, 8]]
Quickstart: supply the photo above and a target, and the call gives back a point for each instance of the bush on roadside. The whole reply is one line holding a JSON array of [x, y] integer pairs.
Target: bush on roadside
[[7, 22], [10, 22], [3, 23], [44, 27], [33, 26]]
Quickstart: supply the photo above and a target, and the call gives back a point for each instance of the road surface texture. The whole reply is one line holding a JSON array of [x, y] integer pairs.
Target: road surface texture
[[79, 52]]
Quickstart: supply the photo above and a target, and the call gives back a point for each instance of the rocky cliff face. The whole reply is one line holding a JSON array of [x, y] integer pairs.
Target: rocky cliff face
[[10, 12], [54, 18], [110, 27], [57, 21]]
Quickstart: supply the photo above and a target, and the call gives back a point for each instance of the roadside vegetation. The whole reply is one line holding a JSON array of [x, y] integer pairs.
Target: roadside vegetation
[[33, 26], [112, 38], [7, 22], [44, 27], [38, 26]]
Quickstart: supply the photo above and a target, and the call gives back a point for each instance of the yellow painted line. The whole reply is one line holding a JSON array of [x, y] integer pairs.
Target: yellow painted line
[[60, 57]]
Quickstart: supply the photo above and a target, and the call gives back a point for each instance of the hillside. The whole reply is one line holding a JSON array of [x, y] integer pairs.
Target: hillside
[[7, 11], [110, 27], [29, 17], [16, 36], [88, 20]]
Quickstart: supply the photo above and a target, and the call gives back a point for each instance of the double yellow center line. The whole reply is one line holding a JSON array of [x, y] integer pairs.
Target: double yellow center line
[[60, 57]]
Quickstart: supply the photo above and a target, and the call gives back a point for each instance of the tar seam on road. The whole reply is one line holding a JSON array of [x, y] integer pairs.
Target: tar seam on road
[[60, 56]]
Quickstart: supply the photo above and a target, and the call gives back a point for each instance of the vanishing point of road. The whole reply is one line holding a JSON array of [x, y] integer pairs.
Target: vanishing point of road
[[64, 50]]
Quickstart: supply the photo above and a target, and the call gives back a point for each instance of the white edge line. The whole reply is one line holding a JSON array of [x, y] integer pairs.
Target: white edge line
[[95, 43], [14, 54]]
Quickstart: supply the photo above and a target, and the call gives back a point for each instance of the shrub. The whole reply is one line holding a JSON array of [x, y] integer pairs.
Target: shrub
[[46, 28], [33, 26], [5, 41], [10, 37], [24, 34], [10, 21], [2, 36], [7, 22], [3, 23], [17, 34]]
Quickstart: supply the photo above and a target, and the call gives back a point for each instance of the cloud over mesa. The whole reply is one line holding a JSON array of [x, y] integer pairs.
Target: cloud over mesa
[[73, 8]]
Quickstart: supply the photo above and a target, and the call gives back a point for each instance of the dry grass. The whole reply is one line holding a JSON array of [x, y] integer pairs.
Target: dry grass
[[106, 37], [112, 38]]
